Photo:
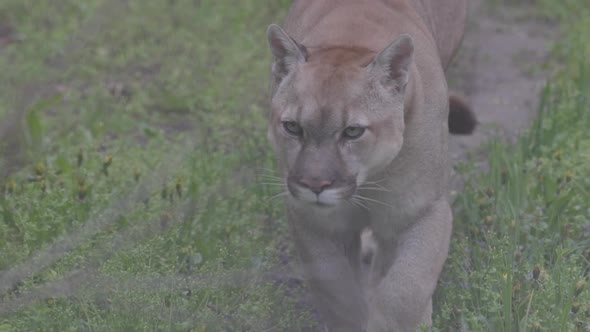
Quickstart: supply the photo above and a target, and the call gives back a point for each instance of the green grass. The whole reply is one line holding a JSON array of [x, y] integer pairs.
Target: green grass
[[131, 137], [130, 198], [520, 254]]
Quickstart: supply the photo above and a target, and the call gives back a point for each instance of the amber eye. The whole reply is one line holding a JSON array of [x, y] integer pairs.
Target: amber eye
[[353, 132], [293, 128]]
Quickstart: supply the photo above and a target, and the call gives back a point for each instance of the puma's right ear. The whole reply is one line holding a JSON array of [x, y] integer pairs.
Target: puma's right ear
[[285, 50], [392, 65]]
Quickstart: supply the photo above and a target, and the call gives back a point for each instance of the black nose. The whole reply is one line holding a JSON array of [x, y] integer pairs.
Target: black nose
[[315, 185]]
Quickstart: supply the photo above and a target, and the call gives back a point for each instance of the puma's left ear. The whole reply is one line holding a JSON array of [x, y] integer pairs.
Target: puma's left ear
[[285, 50], [392, 65]]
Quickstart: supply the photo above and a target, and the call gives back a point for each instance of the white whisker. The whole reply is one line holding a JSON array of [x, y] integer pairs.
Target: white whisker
[[371, 200], [375, 182], [281, 194], [269, 173], [281, 184], [358, 203], [266, 176], [373, 188]]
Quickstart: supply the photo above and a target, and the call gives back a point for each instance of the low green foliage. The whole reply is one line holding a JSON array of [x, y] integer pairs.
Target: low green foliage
[[135, 202], [520, 255]]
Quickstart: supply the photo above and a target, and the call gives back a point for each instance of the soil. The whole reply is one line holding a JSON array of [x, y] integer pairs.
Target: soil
[[499, 70]]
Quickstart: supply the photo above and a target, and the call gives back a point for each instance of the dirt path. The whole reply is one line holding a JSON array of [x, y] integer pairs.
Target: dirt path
[[498, 70]]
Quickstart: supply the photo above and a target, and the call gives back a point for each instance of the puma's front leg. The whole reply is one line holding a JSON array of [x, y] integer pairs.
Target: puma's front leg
[[406, 270], [331, 262]]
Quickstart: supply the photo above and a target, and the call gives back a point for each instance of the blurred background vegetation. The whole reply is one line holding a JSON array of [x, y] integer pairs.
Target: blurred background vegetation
[[133, 157]]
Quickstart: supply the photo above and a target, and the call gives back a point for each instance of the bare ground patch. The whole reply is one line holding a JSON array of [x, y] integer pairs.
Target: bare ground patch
[[499, 69]]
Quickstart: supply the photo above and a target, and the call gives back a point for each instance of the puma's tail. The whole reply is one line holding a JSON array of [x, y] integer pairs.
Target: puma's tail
[[462, 120]]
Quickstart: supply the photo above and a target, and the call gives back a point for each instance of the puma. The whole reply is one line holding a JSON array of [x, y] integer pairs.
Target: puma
[[359, 123]]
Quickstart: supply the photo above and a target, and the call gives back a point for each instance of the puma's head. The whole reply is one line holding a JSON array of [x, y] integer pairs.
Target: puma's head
[[337, 114]]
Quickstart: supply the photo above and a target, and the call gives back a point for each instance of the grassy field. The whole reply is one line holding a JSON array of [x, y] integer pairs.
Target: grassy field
[[133, 148], [133, 134], [520, 256]]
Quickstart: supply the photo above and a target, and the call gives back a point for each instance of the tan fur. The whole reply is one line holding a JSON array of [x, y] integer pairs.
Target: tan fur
[[376, 67]]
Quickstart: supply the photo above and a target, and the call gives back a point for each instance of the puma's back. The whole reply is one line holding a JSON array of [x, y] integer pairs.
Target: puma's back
[[444, 19]]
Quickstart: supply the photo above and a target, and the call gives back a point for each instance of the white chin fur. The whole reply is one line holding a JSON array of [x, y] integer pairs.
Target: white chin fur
[[361, 177], [328, 197]]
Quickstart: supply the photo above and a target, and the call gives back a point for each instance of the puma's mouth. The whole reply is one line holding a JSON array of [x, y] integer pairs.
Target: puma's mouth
[[323, 205], [324, 199]]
